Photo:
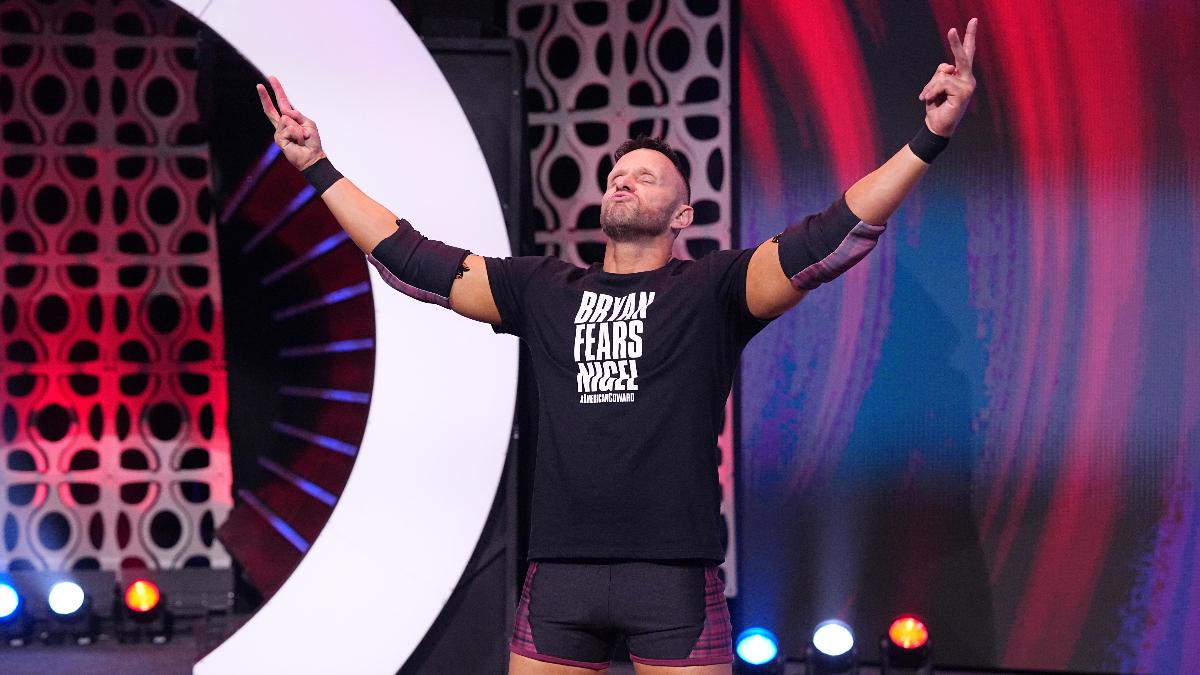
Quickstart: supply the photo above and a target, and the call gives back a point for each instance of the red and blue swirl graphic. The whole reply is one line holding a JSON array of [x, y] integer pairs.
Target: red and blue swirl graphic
[[995, 419]]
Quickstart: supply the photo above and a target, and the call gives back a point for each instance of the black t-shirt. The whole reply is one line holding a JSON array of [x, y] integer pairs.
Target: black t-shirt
[[633, 371]]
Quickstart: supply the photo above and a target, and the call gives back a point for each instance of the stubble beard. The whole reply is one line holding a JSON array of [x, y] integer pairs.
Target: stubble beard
[[626, 221]]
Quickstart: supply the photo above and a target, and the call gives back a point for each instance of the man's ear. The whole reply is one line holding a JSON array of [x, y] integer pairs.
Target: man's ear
[[683, 217]]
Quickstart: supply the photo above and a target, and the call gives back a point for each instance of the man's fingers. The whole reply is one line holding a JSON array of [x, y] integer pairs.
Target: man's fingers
[[942, 83], [969, 39], [291, 131], [288, 126], [932, 91], [290, 123], [943, 70], [296, 115], [284, 103], [267, 106], [964, 50], [960, 55]]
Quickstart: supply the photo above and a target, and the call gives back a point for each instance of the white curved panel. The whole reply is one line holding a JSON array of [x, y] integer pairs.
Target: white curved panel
[[431, 458]]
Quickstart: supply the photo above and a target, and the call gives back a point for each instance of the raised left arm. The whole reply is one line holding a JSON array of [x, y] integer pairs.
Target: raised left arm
[[823, 246]]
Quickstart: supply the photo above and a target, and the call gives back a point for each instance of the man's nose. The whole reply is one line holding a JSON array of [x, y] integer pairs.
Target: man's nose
[[622, 183]]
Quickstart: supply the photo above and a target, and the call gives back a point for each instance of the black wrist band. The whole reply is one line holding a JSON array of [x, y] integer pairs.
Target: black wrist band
[[927, 145], [321, 175]]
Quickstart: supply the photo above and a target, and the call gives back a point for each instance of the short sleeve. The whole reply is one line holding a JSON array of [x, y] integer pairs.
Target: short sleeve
[[728, 271], [512, 280]]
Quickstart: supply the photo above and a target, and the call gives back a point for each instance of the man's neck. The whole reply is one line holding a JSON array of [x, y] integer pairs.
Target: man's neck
[[628, 257]]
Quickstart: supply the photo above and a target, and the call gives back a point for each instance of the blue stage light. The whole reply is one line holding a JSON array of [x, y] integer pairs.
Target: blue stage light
[[10, 601], [66, 598], [757, 646], [15, 626]]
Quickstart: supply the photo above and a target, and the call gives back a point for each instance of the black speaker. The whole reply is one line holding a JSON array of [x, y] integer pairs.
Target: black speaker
[[488, 77]]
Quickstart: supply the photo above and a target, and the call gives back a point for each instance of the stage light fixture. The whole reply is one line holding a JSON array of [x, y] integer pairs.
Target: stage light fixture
[[10, 601], [831, 650], [71, 614], [15, 625], [142, 614], [906, 647], [66, 598], [142, 597], [757, 651]]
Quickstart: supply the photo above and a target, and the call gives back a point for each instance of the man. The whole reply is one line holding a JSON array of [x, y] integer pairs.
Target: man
[[634, 359]]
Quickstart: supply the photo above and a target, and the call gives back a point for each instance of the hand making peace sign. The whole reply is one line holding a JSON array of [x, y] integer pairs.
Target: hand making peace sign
[[295, 134], [948, 93]]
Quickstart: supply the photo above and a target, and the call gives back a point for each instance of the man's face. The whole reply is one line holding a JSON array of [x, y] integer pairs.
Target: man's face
[[644, 192]]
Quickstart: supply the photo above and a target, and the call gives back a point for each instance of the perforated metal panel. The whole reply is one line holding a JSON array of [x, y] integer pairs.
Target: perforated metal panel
[[114, 439], [601, 72]]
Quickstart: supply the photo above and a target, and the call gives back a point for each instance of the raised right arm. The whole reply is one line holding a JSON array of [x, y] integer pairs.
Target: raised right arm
[[422, 268]]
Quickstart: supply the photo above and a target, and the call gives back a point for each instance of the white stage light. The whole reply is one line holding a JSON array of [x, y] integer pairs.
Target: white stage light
[[833, 638], [66, 598]]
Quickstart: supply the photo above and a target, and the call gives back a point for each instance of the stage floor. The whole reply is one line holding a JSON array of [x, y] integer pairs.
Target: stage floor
[[102, 658], [176, 658], [798, 669]]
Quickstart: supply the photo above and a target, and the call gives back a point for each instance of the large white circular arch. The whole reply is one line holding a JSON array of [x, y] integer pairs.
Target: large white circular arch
[[432, 455]]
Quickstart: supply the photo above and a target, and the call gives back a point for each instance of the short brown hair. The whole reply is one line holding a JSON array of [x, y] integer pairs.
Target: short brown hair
[[658, 145]]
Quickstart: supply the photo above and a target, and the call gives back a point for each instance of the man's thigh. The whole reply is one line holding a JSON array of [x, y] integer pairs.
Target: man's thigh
[[719, 669], [674, 618], [520, 665]]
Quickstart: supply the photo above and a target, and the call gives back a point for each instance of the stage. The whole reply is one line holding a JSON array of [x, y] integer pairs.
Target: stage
[[888, 314]]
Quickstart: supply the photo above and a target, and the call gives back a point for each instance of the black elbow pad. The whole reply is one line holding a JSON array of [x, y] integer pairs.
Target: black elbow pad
[[419, 267], [821, 247]]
